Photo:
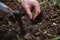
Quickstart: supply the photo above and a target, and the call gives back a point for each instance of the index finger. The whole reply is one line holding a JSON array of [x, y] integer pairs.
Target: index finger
[[37, 9], [27, 8]]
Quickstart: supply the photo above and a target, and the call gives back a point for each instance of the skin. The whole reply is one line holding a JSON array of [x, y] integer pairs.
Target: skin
[[28, 4]]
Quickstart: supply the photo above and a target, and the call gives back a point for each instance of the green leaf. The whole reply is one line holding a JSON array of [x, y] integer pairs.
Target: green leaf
[[57, 38], [33, 13], [56, 1], [18, 37], [19, 1]]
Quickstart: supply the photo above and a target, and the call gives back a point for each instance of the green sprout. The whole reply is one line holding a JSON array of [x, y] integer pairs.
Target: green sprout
[[19, 1], [18, 37], [57, 38], [56, 1], [33, 13]]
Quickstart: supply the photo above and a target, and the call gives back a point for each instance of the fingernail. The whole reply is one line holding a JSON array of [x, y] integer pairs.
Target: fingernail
[[30, 17]]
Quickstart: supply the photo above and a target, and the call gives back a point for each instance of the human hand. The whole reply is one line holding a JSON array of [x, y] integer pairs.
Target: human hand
[[28, 4]]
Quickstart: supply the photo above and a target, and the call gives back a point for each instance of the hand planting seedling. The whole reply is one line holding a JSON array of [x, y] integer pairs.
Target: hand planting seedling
[[28, 4], [49, 14]]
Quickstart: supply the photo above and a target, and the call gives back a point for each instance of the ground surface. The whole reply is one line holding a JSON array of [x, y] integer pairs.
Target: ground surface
[[45, 27]]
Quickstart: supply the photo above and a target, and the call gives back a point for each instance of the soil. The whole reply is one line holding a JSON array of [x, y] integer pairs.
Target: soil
[[45, 27]]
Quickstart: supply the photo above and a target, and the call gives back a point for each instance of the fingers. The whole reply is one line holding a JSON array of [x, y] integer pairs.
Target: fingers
[[27, 8], [37, 10]]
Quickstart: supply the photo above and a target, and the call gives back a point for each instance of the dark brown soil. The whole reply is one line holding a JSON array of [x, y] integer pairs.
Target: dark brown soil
[[45, 27]]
